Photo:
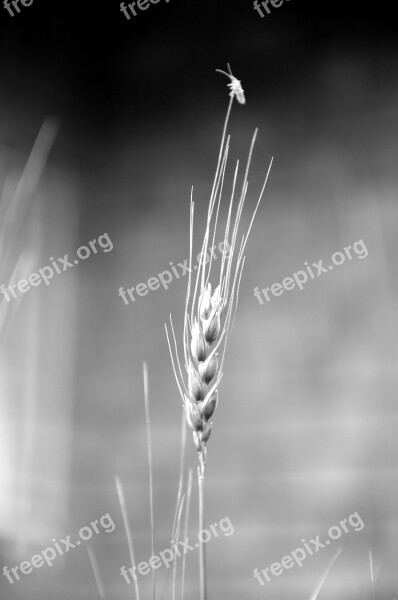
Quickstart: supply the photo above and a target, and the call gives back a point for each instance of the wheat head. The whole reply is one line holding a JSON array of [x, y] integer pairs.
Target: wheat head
[[210, 310]]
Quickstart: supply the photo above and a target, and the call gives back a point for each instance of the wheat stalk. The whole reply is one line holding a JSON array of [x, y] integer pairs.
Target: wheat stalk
[[209, 314]]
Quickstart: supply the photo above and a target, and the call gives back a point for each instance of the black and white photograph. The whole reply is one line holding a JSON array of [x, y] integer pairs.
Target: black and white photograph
[[207, 407]]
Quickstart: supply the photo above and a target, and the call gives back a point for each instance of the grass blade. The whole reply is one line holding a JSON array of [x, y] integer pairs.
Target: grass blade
[[325, 575], [123, 508], [186, 520], [150, 466], [97, 574]]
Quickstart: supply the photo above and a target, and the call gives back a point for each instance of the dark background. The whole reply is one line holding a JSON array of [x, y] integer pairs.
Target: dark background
[[305, 433]]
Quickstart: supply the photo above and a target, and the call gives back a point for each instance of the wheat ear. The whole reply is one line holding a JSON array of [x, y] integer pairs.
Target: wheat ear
[[208, 316]]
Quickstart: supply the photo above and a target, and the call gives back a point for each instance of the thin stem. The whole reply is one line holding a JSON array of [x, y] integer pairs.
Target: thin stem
[[176, 539], [325, 575], [202, 548], [150, 468], [97, 574], [371, 574], [123, 508], [187, 508]]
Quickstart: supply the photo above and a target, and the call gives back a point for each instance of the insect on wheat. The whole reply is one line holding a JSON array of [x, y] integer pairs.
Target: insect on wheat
[[235, 86]]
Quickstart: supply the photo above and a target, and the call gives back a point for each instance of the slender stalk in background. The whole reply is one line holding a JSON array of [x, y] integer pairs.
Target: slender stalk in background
[[372, 580], [174, 534], [186, 520], [14, 203], [97, 574], [123, 508], [209, 314], [175, 539], [150, 467], [325, 575]]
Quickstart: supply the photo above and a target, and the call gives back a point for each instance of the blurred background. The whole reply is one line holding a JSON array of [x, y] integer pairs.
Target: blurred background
[[306, 429]]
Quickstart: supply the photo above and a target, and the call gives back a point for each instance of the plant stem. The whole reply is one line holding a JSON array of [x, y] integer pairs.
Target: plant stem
[[202, 549]]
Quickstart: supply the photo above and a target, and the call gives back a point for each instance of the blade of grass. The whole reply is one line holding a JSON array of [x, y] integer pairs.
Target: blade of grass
[[14, 204], [97, 574], [180, 502], [325, 575], [181, 469], [371, 574], [180, 497], [175, 541], [186, 520], [150, 466], [123, 509]]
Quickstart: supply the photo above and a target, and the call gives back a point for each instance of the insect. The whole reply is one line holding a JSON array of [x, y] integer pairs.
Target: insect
[[235, 86]]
